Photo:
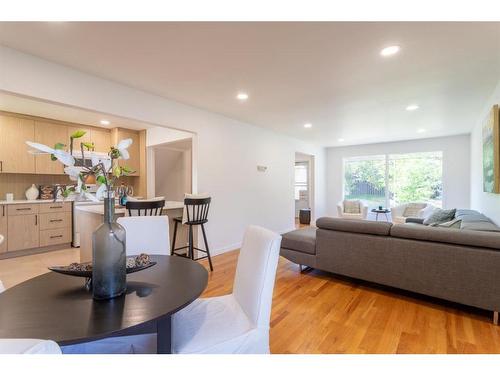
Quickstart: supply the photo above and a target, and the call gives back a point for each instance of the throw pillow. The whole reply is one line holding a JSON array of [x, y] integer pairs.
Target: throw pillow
[[413, 209], [352, 207], [440, 216], [455, 223]]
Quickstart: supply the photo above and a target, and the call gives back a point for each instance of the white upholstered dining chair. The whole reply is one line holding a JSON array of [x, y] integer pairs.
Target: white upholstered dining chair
[[27, 346], [146, 234], [237, 322]]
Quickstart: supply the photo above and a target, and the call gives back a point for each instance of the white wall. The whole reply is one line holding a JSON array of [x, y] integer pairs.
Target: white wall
[[456, 166], [227, 150], [172, 172], [487, 203]]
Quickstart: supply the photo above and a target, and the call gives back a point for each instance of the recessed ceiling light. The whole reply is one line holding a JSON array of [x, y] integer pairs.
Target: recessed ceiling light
[[105, 122], [308, 125], [412, 107], [421, 130], [242, 96], [341, 139], [389, 51]]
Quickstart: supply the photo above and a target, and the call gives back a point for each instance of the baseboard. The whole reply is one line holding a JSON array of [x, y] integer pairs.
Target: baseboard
[[225, 249], [236, 246]]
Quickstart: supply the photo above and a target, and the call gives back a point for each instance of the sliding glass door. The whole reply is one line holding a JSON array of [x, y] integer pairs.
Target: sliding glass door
[[364, 179], [416, 177], [392, 179]]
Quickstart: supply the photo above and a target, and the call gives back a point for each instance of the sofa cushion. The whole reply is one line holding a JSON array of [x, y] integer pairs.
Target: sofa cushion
[[478, 222], [380, 228], [463, 212], [447, 235], [352, 207], [413, 209], [440, 216], [302, 240]]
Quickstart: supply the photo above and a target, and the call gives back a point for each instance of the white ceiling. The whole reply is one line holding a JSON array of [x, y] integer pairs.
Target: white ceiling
[[328, 74]]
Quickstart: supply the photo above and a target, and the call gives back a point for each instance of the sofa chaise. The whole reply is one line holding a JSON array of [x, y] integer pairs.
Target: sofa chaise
[[452, 264]]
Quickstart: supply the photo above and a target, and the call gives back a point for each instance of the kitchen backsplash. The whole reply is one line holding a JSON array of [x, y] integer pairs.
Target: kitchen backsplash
[[18, 183]]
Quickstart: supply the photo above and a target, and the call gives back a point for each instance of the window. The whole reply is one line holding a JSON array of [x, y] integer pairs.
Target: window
[[392, 179], [301, 180]]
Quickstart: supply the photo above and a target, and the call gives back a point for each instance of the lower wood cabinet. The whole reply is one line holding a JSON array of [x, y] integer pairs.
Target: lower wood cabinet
[[3, 228], [23, 232], [30, 226], [55, 236]]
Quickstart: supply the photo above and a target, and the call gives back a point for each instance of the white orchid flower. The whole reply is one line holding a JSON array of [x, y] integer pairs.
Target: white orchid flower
[[105, 162], [73, 173], [101, 192], [88, 196], [122, 147], [61, 155]]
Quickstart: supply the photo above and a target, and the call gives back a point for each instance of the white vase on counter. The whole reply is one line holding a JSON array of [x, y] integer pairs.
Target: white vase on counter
[[32, 193]]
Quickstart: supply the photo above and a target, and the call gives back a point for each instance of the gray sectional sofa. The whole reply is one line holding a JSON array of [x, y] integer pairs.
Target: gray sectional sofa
[[453, 264]]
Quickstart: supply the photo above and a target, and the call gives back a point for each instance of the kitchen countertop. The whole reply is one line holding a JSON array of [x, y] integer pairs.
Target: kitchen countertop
[[26, 201], [99, 208], [35, 201]]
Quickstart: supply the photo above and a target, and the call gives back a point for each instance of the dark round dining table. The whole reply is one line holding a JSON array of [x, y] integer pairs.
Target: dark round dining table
[[58, 307]]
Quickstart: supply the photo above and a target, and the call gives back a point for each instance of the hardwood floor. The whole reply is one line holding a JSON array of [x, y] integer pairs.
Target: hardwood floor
[[316, 312]]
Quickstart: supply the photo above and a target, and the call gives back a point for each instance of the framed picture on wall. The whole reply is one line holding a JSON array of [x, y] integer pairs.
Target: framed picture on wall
[[491, 152]]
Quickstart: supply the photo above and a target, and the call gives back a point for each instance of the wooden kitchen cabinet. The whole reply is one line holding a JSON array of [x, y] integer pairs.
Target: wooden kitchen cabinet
[[3, 228], [49, 134], [23, 232], [133, 163], [101, 140], [32, 225], [14, 155]]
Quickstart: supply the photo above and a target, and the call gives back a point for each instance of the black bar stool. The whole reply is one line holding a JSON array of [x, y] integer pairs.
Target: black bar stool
[[147, 208], [197, 213]]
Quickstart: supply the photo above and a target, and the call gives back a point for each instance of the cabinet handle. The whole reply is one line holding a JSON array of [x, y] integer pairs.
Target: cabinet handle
[[59, 236], [1, 166], [36, 219], [23, 209], [3, 209], [55, 220], [55, 207]]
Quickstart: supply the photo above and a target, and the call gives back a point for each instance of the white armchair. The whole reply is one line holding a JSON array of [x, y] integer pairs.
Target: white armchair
[[412, 209], [352, 209]]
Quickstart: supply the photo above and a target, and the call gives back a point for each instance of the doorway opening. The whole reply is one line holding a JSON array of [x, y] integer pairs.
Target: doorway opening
[[172, 169], [304, 189]]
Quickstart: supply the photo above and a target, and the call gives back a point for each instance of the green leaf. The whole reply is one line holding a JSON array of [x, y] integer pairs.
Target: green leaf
[[126, 170], [88, 145], [101, 179], [59, 146], [52, 157], [68, 191], [117, 171], [78, 134]]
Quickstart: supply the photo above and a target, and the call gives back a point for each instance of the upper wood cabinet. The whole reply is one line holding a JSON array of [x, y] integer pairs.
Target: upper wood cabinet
[[101, 140], [134, 162], [14, 155], [49, 134]]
